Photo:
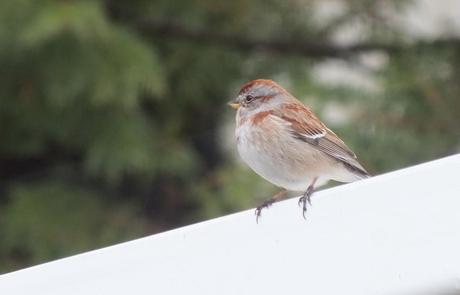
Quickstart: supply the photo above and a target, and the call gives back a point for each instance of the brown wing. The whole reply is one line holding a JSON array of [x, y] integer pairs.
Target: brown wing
[[308, 128]]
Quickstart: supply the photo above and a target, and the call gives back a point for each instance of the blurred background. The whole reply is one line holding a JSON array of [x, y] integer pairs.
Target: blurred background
[[113, 117]]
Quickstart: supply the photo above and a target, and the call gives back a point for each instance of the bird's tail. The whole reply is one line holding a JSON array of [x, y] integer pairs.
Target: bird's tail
[[357, 170]]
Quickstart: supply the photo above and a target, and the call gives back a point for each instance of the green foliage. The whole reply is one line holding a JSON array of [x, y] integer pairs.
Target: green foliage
[[229, 189], [110, 130], [49, 220]]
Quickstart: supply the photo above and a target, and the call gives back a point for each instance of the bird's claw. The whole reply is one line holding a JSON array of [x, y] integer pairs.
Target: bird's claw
[[258, 213], [303, 201], [303, 204]]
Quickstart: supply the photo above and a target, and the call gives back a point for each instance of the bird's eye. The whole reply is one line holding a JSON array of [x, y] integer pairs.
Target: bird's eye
[[249, 98]]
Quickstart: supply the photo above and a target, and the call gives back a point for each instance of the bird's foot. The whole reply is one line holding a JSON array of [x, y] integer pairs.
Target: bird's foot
[[280, 195], [258, 211], [305, 200]]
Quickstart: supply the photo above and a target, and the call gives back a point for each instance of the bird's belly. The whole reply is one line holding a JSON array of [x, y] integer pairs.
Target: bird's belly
[[285, 162]]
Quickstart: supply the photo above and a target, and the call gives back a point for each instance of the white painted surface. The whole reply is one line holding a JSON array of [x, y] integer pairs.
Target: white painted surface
[[397, 233]]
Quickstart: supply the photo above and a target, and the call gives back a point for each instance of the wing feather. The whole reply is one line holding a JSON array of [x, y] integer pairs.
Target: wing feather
[[306, 127]]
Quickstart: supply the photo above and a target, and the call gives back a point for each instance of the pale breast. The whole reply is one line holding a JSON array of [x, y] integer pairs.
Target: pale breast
[[269, 149]]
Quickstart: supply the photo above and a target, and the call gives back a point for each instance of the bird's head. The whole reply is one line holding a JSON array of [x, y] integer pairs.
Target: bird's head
[[259, 94]]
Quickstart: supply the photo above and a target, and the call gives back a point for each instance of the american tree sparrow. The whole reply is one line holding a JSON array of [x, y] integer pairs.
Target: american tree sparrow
[[284, 142]]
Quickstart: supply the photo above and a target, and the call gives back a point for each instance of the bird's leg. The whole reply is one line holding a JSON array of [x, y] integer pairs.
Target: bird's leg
[[279, 196], [306, 198]]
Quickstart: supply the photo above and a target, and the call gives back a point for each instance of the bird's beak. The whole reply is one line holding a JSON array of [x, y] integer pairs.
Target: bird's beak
[[234, 104]]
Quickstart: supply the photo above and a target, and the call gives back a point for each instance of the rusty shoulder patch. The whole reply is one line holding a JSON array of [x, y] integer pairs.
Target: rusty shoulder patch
[[259, 117]]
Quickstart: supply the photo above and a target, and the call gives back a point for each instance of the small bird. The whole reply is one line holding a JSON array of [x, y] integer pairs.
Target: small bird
[[283, 141]]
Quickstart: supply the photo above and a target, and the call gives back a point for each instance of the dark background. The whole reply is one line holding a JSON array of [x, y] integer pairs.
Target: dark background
[[113, 117]]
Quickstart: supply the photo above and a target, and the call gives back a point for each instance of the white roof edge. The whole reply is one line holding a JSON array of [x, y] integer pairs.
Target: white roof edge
[[390, 234]]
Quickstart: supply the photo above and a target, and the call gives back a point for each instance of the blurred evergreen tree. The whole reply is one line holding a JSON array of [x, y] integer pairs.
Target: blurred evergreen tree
[[113, 122]]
